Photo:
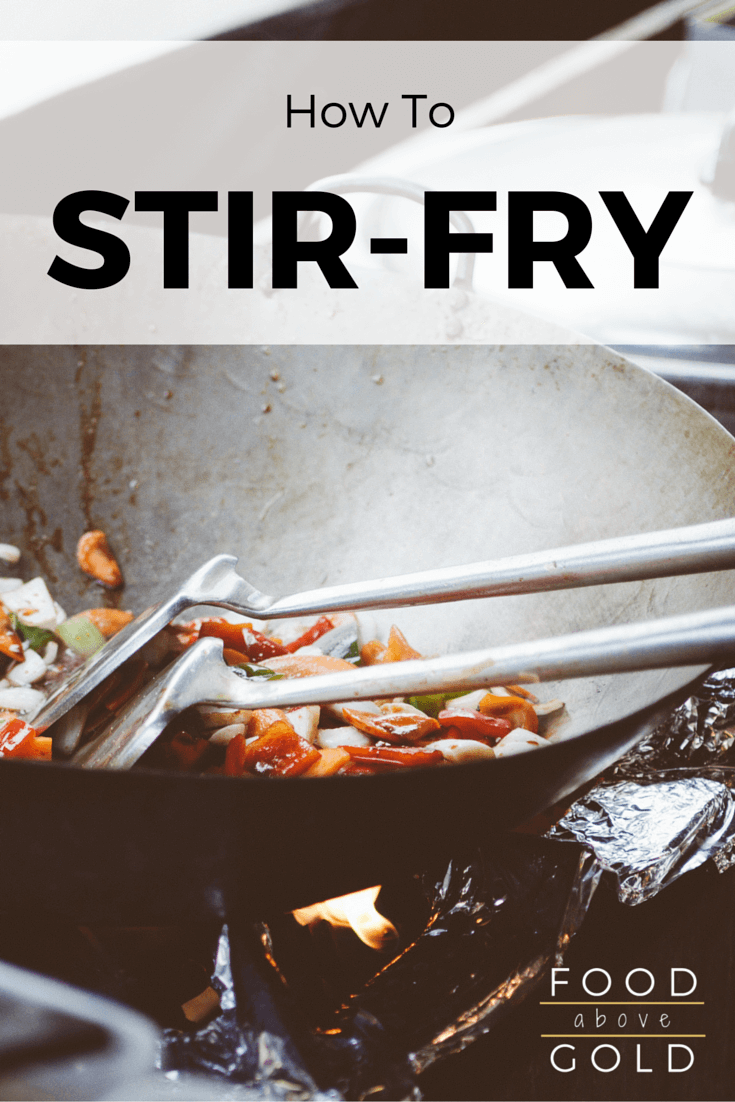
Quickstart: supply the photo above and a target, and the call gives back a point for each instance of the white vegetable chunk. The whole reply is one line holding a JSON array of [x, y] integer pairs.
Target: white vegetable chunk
[[288, 631], [548, 707], [9, 553], [356, 705], [225, 735], [32, 604], [305, 721], [21, 699], [50, 652], [7, 585], [462, 749], [329, 738], [471, 700], [516, 741], [31, 669], [214, 715], [399, 708]]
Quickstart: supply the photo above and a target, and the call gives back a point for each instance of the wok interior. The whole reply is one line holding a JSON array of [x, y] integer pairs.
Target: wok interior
[[322, 464]]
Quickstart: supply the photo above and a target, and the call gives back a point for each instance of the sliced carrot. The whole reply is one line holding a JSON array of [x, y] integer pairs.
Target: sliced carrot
[[96, 559], [234, 657], [372, 653], [230, 634], [330, 762], [519, 712], [399, 650], [306, 665], [262, 719], [42, 747]]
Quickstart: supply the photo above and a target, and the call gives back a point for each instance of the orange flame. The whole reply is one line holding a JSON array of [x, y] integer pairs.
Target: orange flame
[[357, 911]]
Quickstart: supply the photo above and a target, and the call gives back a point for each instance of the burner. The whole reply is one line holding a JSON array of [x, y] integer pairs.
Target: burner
[[306, 1008]]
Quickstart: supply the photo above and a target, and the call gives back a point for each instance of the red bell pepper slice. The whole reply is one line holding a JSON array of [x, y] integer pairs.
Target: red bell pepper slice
[[241, 637], [278, 753], [321, 627], [19, 740], [475, 725], [392, 726], [392, 756]]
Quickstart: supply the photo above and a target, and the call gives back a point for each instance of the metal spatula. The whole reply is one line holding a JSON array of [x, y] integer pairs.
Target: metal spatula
[[200, 676], [691, 550]]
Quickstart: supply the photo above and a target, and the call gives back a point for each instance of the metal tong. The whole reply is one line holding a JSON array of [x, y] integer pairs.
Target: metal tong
[[201, 676], [691, 550]]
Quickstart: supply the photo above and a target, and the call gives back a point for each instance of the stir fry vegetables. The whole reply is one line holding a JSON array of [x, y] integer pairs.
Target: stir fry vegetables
[[39, 645]]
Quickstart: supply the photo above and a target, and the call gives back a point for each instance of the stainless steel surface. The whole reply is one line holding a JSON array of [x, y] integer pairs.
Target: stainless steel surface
[[692, 550], [201, 676], [41, 1057]]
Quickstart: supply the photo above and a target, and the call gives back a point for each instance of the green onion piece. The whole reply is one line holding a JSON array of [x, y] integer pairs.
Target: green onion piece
[[37, 637], [353, 654], [432, 703], [81, 636], [259, 671]]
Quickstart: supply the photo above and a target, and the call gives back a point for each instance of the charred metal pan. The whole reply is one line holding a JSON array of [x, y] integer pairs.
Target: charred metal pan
[[316, 466]]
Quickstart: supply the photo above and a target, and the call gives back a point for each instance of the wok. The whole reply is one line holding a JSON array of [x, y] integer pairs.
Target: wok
[[317, 465]]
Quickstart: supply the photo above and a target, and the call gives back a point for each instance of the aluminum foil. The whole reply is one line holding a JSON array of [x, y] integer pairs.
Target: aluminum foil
[[700, 732], [240, 1051], [497, 919], [669, 805]]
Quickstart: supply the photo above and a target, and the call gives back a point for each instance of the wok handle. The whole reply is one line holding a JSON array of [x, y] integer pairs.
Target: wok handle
[[691, 550]]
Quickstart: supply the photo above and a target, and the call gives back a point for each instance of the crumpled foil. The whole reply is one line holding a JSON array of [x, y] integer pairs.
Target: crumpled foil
[[498, 918], [669, 805], [240, 1051], [700, 732]]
